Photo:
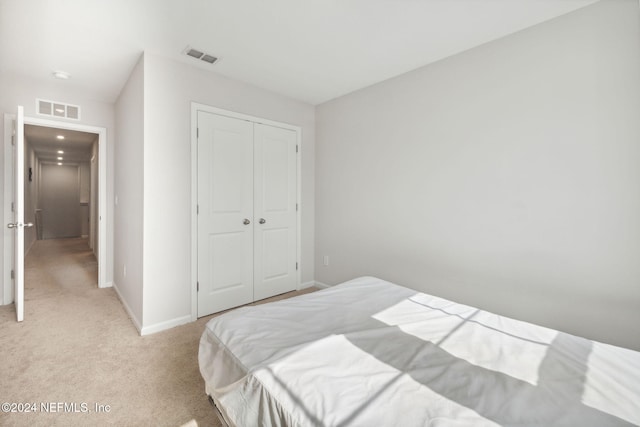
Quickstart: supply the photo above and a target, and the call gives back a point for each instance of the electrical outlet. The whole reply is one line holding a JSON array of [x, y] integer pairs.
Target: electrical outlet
[[124, 271], [326, 260]]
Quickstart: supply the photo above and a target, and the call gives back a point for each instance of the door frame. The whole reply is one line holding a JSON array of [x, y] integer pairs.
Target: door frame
[[9, 197], [195, 108]]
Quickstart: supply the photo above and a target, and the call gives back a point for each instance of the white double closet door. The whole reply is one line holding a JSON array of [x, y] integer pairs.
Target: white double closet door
[[247, 219]]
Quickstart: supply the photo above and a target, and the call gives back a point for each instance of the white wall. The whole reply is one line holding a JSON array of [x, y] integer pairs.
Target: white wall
[[129, 167], [505, 177], [59, 199], [170, 87], [19, 90]]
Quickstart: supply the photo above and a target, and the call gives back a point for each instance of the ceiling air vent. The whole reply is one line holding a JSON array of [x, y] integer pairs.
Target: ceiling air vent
[[57, 109], [195, 53]]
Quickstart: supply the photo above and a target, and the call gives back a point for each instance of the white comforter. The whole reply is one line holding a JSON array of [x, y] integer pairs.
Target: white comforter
[[370, 353]]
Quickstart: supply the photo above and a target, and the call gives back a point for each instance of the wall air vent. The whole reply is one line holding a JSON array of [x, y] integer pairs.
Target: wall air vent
[[195, 53], [57, 109]]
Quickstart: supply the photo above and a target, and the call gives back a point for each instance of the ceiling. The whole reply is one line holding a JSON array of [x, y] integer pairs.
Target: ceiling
[[311, 50], [76, 145]]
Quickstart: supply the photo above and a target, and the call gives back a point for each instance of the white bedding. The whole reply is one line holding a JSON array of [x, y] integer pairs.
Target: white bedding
[[371, 353]]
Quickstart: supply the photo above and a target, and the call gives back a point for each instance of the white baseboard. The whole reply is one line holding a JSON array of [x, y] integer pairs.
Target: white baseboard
[[306, 285], [321, 285], [106, 285], [133, 318], [167, 324], [151, 329], [313, 283]]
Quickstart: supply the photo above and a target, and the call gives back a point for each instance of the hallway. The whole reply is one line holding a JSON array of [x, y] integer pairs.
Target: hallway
[[59, 268]]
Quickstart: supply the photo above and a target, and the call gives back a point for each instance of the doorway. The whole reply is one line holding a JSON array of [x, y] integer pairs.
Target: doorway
[[60, 184], [92, 201]]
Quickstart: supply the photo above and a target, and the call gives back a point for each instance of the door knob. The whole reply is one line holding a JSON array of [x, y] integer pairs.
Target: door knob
[[246, 221], [262, 221], [19, 224]]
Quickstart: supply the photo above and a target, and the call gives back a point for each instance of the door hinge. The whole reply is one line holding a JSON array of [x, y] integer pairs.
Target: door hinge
[[197, 209], [296, 266], [197, 286], [13, 207], [296, 207], [296, 148], [197, 132], [13, 274]]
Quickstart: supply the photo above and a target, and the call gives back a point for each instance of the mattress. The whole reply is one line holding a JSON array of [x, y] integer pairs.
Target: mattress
[[368, 352]]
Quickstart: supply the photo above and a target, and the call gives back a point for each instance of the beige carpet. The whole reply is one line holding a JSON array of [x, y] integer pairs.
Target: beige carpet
[[78, 347]]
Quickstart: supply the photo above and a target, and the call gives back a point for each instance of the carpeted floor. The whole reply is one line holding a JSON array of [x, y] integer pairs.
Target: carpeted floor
[[77, 360]]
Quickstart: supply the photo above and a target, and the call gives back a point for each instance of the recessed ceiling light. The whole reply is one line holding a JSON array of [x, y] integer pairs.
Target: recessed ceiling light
[[63, 75], [60, 158], [60, 152], [60, 136], [59, 164]]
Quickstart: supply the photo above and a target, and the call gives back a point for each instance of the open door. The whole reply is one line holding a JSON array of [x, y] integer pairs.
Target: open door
[[18, 213]]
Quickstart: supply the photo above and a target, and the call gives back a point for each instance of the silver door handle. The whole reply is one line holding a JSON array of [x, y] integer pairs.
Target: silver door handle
[[17, 224], [246, 221], [262, 221]]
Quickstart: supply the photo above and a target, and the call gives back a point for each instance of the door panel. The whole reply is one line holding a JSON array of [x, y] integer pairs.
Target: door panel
[[274, 175], [18, 218], [275, 215], [275, 242], [225, 199], [229, 151], [226, 250]]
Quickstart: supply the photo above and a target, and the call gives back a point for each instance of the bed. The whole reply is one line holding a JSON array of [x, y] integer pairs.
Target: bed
[[371, 353]]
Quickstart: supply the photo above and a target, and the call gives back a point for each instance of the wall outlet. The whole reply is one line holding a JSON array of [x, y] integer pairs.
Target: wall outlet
[[326, 260], [124, 270]]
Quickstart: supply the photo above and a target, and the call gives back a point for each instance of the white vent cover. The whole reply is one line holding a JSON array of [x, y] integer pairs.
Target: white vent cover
[[195, 53], [57, 109]]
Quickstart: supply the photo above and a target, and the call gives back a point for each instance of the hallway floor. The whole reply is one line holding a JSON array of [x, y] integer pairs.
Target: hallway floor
[[77, 346], [58, 267]]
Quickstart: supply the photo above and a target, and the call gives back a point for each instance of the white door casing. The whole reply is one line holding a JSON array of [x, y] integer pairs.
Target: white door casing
[[8, 290], [275, 199], [18, 214], [247, 209]]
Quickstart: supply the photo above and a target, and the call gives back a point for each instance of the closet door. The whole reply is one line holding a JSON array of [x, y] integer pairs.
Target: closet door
[[275, 188], [225, 213]]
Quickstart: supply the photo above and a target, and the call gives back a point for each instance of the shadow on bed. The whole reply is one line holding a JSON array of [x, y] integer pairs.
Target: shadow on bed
[[506, 400], [555, 400]]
